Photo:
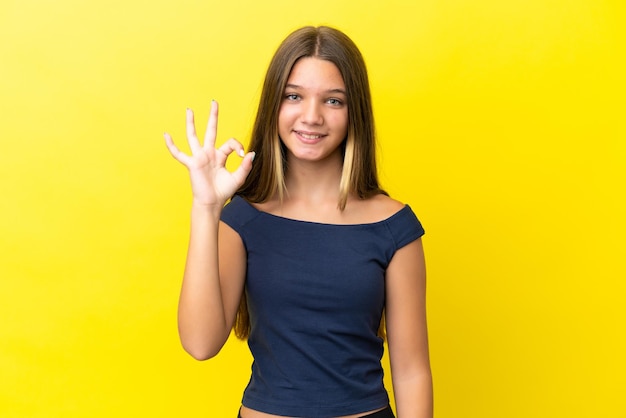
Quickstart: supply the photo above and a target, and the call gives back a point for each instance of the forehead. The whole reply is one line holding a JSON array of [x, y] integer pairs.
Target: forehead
[[315, 73]]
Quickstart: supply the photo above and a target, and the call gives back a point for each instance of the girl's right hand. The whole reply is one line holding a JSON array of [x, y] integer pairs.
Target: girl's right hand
[[211, 183]]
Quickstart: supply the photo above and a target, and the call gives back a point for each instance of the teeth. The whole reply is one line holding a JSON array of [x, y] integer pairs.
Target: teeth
[[306, 136]]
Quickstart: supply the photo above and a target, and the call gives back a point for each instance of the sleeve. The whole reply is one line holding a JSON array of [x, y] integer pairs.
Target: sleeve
[[237, 214], [233, 214], [405, 227]]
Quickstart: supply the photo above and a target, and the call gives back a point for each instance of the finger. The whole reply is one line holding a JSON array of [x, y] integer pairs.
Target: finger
[[211, 128], [192, 138], [244, 168], [232, 145], [173, 149]]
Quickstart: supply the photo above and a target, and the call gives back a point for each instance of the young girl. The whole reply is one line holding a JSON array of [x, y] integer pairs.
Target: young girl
[[310, 259]]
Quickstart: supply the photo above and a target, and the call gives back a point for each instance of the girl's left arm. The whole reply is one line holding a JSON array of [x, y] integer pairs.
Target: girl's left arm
[[407, 334]]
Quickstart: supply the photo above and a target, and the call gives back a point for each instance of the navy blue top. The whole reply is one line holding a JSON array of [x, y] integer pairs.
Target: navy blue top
[[316, 293]]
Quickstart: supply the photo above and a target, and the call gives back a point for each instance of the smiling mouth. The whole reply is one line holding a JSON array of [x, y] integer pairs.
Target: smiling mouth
[[309, 136]]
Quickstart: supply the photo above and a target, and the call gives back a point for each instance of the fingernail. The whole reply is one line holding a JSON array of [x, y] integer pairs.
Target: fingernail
[[241, 153], [253, 155]]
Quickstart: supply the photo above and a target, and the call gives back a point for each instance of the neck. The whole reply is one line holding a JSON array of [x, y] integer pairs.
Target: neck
[[314, 182]]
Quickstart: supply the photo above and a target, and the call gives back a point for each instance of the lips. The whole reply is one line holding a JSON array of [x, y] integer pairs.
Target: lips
[[309, 137]]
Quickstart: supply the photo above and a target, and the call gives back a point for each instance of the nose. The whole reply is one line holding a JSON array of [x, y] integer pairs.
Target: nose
[[312, 113]]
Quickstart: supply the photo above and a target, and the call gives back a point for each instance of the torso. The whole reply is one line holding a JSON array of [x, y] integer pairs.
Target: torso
[[357, 211]]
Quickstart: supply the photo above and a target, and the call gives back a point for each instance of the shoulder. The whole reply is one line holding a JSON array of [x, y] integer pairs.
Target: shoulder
[[399, 218], [238, 212], [387, 205], [376, 208], [271, 206]]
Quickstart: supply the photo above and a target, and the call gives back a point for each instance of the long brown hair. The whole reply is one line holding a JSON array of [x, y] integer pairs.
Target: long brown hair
[[267, 178]]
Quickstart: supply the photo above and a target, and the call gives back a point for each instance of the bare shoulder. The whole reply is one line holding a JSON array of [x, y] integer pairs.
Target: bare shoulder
[[273, 206], [378, 208]]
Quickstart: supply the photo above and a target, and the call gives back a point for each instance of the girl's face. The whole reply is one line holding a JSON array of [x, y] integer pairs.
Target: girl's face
[[313, 116]]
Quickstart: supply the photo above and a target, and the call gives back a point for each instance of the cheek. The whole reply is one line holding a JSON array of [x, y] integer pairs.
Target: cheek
[[281, 123], [340, 121], [285, 118]]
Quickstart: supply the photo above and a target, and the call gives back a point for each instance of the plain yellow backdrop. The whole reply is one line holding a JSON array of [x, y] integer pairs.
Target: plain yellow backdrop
[[500, 122]]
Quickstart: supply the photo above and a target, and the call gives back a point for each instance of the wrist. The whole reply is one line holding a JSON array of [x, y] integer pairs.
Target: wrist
[[213, 210]]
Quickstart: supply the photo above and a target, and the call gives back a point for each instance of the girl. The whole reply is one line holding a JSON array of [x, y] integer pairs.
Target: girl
[[309, 252]]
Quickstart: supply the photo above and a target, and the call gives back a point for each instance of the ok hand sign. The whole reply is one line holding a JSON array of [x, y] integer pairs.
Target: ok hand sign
[[211, 183]]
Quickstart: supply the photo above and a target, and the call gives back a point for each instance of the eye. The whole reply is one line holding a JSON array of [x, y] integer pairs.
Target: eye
[[291, 96], [334, 102]]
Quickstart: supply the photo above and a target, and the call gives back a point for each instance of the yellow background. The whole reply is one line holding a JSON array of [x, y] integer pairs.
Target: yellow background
[[500, 122]]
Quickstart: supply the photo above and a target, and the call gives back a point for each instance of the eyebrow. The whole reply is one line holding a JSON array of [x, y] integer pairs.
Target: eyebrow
[[297, 87]]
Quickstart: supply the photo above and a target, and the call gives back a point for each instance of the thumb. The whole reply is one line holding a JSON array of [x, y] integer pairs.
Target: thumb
[[244, 168]]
